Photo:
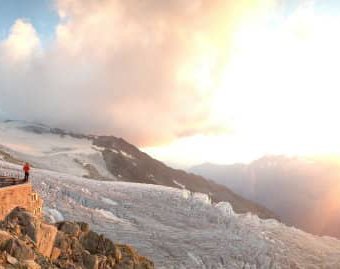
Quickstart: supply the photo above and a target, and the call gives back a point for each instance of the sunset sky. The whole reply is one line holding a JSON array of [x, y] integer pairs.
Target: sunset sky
[[188, 81]]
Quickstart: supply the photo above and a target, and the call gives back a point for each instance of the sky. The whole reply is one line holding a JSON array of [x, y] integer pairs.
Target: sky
[[187, 81]]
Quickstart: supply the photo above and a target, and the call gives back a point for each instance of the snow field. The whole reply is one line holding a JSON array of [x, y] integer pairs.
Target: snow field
[[179, 229]]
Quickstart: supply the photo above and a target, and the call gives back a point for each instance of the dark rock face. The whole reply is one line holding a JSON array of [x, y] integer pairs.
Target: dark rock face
[[73, 245], [127, 162]]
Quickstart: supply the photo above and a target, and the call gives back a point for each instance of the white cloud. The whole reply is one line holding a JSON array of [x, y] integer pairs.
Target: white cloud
[[143, 70], [22, 42]]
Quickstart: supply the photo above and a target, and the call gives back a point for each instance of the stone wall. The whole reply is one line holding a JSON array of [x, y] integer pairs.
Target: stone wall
[[19, 196]]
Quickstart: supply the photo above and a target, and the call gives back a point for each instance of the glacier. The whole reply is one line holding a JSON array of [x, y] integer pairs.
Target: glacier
[[178, 229]]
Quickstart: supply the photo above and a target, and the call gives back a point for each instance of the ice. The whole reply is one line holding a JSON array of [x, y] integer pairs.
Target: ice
[[85, 190], [178, 229], [109, 215], [226, 209], [108, 201], [53, 215], [201, 198]]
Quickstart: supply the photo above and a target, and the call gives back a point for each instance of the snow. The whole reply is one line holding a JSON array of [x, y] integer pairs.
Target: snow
[[178, 229], [51, 151], [178, 184], [114, 151], [129, 156]]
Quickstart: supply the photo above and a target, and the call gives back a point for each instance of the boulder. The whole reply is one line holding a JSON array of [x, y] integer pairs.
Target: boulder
[[90, 241], [21, 222], [44, 238], [84, 227], [98, 244], [62, 242], [19, 249], [69, 228], [90, 261], [4, 237], [11, 260]]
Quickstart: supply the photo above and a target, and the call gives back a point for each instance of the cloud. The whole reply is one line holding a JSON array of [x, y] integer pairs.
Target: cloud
[[22, 42], [143, 70]]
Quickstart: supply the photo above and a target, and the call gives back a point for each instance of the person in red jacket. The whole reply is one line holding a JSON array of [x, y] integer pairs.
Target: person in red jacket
[[26, 169]]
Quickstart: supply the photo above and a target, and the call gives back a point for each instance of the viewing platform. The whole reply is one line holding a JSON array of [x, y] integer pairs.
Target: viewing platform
[[16, 192], [6, 181]]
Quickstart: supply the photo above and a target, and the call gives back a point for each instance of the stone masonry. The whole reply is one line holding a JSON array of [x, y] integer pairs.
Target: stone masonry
[[19, 196]]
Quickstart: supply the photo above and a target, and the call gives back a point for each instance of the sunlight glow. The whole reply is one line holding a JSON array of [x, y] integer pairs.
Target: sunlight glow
[[279, 91]]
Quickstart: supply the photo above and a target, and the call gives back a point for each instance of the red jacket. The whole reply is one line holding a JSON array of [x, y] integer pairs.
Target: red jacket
[[26, 168]]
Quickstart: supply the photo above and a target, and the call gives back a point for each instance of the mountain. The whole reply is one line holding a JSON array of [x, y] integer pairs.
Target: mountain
[[303, 192], [105, 158], [176, 228]]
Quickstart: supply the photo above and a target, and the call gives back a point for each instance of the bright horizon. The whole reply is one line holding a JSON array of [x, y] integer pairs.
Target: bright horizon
[[189, 82]]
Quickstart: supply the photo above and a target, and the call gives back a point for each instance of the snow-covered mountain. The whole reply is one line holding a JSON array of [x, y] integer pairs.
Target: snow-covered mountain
[[104, 158], [178, 229]]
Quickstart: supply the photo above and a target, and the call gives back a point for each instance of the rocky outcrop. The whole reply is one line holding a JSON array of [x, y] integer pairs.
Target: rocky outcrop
[[27, 242]]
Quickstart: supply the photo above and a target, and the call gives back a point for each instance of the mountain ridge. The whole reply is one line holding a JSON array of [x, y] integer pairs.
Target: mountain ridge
[[109, 158]]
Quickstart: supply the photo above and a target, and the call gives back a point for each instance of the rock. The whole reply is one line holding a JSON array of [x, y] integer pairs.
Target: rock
[[45, 237], [19, 249], [27, 242], [21, 218], [90, 261], [76, 246], [62, 242], [118, 255], [11, 260], [128, 264], [84, 227], [98, 244], [90, 242], [103, 262], [129, 255], [69, 228], [55, 253], [31, 265], [4, 237], [42, 234]]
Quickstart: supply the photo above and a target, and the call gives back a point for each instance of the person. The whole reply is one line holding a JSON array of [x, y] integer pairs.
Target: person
[[26, 169]]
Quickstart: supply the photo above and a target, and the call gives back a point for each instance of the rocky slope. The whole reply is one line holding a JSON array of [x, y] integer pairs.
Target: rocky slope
[[27, 242], [106, 158]]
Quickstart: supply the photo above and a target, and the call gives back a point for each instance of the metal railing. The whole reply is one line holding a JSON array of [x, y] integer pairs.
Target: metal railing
[[10, 178]]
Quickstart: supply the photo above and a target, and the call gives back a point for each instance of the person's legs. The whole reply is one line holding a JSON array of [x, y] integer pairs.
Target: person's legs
[[26, 176]]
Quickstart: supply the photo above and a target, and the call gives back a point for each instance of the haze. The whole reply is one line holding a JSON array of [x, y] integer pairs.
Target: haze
[[189, 81]]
